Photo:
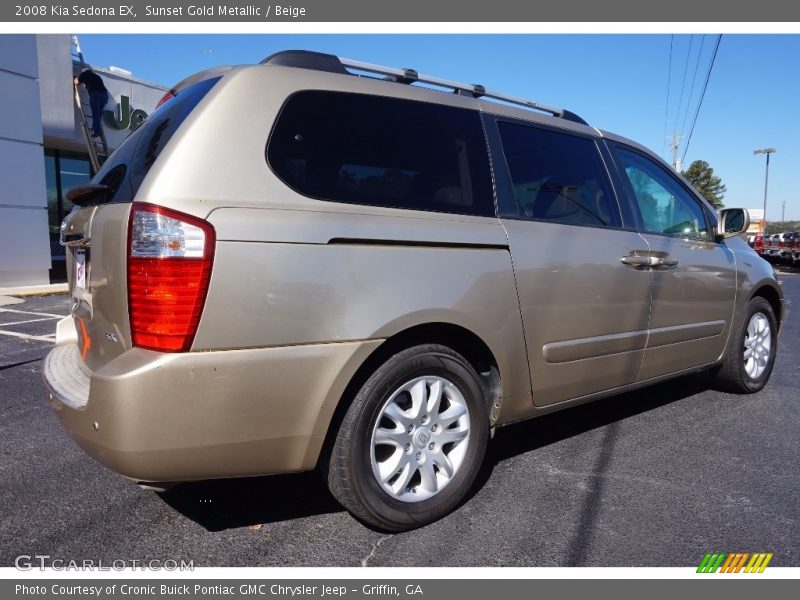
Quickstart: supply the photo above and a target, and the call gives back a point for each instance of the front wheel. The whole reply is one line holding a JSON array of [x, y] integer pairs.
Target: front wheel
[[751, 351], [412, 441]]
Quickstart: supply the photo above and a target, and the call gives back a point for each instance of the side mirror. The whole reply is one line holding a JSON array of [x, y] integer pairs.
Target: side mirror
[[732, 222]]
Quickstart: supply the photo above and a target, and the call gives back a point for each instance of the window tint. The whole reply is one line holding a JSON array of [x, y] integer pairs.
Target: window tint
[[558, 177], [666, 207], [382, 151], [142, 147]]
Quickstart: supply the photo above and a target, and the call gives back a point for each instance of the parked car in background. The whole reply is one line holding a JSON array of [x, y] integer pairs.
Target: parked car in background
[[758, 244], [786, 247], [771, 247], [315, 263], [781, 247], [792, 247]]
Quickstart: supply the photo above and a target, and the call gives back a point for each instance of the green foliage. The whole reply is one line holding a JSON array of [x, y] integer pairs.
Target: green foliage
[[702, 177], [781, 227]]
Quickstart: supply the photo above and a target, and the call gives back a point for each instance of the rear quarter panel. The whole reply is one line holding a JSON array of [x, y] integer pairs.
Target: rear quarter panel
[[281, 279]]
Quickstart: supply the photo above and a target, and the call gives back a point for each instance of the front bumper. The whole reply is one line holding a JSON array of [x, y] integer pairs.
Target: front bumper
[[200, 415]]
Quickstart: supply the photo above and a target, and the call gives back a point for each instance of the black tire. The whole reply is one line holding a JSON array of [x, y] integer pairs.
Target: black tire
[[350, 469], [732, 375]]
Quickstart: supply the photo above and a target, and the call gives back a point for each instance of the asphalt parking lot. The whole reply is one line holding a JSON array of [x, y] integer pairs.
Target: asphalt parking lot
[[656, 477]]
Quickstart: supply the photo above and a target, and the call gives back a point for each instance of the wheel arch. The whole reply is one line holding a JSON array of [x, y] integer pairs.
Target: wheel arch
[[773, 296], [467, 343]]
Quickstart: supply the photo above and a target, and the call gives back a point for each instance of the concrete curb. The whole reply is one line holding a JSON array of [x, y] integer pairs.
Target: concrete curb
[[35, 290]]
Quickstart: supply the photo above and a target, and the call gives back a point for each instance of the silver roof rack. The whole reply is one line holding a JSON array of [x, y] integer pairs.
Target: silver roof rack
[[327, 62], [474, 89]]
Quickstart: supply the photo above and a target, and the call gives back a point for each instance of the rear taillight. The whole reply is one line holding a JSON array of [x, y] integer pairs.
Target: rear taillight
[[169, 266]]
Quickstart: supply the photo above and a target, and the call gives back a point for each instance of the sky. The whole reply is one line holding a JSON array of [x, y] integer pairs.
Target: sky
[[620, 83]]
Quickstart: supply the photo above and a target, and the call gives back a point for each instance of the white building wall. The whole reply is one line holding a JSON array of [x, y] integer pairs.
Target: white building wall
[[55, 88], [24, 238]]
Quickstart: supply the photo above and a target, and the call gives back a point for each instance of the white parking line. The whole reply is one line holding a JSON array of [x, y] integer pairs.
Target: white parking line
[[25, 336], [24, 322], [28, 312]]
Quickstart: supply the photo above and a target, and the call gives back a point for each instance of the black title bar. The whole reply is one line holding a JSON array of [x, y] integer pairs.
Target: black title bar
[[450, 11]]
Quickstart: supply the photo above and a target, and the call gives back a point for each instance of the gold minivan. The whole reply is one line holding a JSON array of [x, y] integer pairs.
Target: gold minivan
[[318, 262]]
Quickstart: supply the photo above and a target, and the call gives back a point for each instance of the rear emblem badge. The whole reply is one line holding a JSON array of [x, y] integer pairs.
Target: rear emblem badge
[[111, 337]]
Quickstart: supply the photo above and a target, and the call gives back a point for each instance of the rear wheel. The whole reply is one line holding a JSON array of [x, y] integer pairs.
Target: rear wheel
[[751, 351], [411, 443]]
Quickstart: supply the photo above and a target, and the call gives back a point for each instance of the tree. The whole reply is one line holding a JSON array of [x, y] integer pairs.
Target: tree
[[702, 177]]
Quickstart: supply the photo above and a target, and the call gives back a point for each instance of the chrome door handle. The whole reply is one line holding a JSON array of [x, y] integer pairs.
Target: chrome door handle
[[648, 261], [637, 261], [662, 261]]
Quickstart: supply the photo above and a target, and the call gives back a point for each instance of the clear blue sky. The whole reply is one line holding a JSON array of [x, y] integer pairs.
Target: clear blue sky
[[615, 82]]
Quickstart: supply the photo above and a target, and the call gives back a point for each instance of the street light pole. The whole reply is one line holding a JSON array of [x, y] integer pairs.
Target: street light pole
[[766, 151]]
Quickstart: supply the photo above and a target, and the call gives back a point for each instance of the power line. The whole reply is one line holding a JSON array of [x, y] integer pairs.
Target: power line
[[669, 82], [694, 78], [683, 83], [702, 96]]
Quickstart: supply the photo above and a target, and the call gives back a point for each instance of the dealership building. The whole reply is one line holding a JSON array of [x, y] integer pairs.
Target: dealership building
[[43, 149]]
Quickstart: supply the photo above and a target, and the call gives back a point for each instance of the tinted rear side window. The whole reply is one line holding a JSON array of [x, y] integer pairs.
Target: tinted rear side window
[[558, 177], [129, 164], [382, 151]]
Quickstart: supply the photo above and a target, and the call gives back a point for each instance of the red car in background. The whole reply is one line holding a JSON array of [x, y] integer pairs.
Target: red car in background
[[758, 244]]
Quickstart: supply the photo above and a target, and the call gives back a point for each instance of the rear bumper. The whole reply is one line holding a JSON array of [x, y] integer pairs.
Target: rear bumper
[[201, 415]]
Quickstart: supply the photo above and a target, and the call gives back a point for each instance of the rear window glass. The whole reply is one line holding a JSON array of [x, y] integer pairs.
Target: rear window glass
[[129, 164], [381, 151]]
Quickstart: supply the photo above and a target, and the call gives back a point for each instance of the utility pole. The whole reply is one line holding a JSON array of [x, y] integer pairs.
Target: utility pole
[[676, 142], [783, 213], [766, 151]]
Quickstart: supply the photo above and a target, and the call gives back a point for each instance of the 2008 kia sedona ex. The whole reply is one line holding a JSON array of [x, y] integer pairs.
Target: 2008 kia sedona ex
[[317, 262]]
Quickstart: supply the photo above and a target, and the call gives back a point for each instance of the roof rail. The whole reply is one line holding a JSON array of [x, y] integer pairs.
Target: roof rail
[[319, 61]]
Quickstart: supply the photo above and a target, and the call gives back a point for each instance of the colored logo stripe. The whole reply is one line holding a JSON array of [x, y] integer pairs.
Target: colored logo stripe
[[711, 562], [734, 562], [758, 563]]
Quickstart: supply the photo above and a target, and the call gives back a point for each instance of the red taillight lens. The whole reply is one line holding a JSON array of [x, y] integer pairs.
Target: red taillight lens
[[170, 255]]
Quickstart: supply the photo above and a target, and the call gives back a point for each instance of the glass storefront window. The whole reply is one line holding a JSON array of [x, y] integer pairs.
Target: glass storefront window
[[51, 180], [74, 171], [63, 170]]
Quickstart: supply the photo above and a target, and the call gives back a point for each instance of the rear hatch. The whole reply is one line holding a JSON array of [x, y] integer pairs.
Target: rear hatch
[[96, 234]]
